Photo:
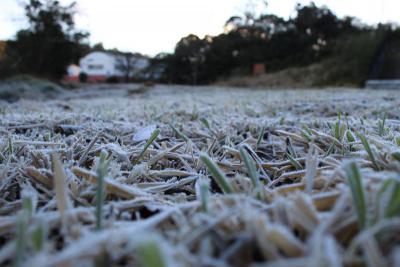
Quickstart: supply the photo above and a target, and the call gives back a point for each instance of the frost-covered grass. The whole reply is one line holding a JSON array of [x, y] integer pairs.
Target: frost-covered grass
[[178, 176]]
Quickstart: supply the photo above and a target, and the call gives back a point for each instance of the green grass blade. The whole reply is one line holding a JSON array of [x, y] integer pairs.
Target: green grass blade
[[203, 193], [217, 174], [305, 135], [27, 205], [21, 238], [337, 130], [101, 172], [396, 155], [179, 133], [306, 132], [306, 129], [38, 236], [260, 136], [393, 207], [381, 199], [381, 125], [152, 138], [252, 170], [150, 254], [388, 200], [289, 147], [350, 136], [357, 191], [10, 146], [205, 122], [367, 148], [294, 162], [251, 167], [397, 139], [331, 149]]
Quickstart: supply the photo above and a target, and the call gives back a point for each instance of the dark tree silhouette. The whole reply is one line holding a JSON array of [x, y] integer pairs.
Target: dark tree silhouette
[[51, 41], [313, 35]]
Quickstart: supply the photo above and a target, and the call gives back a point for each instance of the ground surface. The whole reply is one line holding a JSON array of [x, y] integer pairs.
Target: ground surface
[[295, 185]]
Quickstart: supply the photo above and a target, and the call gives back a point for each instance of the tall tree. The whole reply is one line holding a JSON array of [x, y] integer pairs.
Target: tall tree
[[126, 64], [51, 42]]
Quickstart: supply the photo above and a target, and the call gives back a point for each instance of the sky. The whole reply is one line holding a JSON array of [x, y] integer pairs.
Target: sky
[[153, 26]]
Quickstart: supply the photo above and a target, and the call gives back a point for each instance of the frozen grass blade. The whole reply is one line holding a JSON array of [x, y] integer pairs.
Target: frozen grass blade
[[21, 238], [311, 168], [88, 148], [21, 231], [217, 174], [203, 193], [367, 148], [350, 136], [152, 138], [27, 205], [10, 146], [252, 170], [397, 140], [251, 167], [101, 172], [331, 149], [381, 125], [396, 155], [294, 162], [260, 136], [337, 130], [388, 200], [205, 122], [179, 133], [38, 236], [357, 191], [306, 132], [60, 186], [306, 128], [289, 148]]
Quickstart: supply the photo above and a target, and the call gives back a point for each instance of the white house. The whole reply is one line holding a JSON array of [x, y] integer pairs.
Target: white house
[[73, 70], [99, 66]]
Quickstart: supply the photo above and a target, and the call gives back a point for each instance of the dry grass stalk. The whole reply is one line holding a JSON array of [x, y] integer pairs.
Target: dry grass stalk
[[60, 186]]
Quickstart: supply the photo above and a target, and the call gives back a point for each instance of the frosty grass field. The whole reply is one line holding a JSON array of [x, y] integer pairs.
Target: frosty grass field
[[180, 176]]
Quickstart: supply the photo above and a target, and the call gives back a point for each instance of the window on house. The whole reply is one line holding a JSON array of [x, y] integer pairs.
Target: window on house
[[95, 67]]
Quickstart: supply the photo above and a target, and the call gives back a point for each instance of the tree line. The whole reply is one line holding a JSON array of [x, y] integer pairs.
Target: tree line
[[315, 34]]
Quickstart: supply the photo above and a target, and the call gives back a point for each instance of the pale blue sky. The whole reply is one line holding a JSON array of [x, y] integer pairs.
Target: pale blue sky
[[152, 26]]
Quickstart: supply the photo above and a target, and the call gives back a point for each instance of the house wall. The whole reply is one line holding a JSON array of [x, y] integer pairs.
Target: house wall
[[73, 70], [98, 64]]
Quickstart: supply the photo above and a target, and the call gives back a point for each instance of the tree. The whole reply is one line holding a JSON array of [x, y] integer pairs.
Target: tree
[[312, 36], [51, 42], [126, 64], [187, 63]]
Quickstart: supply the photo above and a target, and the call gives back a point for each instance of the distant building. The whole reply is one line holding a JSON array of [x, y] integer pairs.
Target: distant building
[[258, 69], [3, 45], [73, 72], [100, 66]]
